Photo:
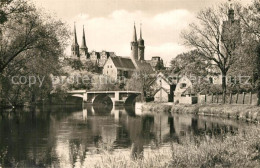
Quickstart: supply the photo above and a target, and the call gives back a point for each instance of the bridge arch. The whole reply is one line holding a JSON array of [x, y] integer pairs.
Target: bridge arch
[[102, 103], [130, 100], [102, 99]]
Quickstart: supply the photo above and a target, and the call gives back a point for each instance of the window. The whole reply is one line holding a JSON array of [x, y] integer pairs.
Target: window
[[108, 66], [210, 80], [183, 85], [126, 74]]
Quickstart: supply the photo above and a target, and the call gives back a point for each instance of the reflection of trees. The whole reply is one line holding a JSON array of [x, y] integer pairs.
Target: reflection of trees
[[211, 128], [22, 133], [135, 131], [77, 152], [140, 132], [37, 138]]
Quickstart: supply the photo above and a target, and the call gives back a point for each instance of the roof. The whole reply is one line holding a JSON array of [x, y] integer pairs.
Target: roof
[[162, 76], [123, 62], [188, 91], [106, 52], [161, 88], [143, 66], [153, 63]]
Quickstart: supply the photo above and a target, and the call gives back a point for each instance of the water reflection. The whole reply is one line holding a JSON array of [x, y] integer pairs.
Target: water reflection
[[64, 136]]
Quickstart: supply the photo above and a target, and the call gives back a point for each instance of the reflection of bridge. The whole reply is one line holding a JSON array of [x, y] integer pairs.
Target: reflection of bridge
[[108, 97]]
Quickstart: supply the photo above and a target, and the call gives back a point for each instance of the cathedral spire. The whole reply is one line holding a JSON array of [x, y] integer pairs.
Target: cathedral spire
[[75, 46], [83, 44], [141, 46], [134, 35], [141, 31], [134, 46], [75, 35]]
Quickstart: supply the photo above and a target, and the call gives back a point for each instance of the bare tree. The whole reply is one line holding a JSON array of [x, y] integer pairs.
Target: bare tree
[[217, 35]]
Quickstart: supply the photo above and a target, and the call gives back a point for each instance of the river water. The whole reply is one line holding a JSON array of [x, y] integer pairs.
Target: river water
[[49, 136]]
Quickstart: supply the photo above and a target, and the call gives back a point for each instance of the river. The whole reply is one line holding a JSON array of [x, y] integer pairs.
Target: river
[[63, 135]]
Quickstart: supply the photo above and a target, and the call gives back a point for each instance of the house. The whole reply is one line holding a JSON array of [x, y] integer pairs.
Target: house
[[162, 88], [162, 95], [117, 66], [184, 92]]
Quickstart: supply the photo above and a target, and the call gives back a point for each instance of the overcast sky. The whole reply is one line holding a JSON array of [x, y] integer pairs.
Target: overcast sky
[[109, 23]]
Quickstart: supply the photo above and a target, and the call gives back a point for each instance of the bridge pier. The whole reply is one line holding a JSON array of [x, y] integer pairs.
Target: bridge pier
[[85, 97], [119, 103]]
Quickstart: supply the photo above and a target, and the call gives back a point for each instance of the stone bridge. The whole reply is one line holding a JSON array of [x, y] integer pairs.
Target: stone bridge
[[107, 97]]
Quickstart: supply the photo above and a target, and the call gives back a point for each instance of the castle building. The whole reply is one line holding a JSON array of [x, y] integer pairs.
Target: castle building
[[112, 65], [117, 66], [82, 53]]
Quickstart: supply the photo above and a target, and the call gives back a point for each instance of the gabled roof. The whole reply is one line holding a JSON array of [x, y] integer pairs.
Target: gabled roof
[[188, 91], [160, 75], [123, 62], [167, 91]]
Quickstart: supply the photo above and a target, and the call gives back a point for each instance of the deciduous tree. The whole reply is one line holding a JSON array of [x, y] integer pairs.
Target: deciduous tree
[[31, 44], [219, 43]]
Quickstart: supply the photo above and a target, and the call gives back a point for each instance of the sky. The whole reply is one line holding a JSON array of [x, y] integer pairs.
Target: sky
[[109, 23]]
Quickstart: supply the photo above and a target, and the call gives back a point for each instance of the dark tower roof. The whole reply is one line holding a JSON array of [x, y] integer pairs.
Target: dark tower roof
[[141, 41], [141, 31], [83, 44], [231, 12], [75, 41], [134, 35]]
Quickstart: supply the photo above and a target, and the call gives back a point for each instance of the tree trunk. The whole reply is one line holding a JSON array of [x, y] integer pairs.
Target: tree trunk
[[224, 86], [1, 92], [258, 76]]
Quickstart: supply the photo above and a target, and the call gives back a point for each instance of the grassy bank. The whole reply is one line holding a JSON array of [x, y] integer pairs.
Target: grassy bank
[[241, 150], [241, 112]]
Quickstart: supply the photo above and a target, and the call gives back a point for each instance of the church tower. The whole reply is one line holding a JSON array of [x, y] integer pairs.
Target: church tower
[[141, 46], [83, 47], [75, 45], [134, 46]]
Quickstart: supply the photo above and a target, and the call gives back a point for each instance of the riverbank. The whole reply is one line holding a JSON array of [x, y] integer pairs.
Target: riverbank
[[240, 112], [241, 150]]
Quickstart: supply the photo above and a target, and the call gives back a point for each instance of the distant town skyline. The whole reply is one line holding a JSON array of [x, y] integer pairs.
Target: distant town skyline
[[109, 23]]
